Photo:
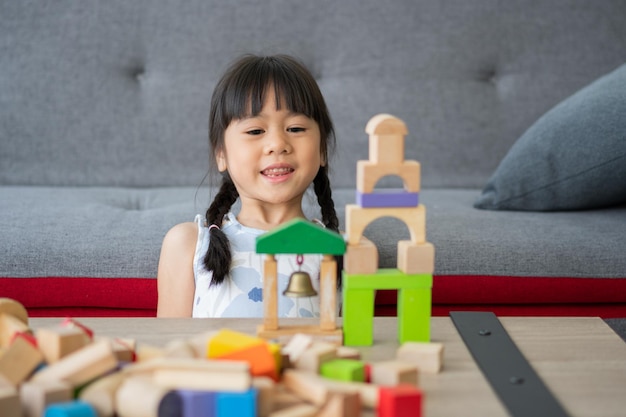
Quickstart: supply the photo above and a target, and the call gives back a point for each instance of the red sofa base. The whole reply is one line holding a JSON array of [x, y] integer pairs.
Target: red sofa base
[[505, 296]]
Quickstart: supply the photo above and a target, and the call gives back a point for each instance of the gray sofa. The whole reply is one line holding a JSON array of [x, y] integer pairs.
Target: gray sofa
[[103, 139]]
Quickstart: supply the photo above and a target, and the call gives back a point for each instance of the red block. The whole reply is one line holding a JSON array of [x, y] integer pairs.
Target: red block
[[400, 401]]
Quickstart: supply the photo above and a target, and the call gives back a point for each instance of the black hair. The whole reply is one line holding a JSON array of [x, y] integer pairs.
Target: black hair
[[240, 93]]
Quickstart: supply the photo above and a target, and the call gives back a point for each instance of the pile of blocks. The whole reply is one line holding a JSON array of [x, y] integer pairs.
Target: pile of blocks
[[67, 371]]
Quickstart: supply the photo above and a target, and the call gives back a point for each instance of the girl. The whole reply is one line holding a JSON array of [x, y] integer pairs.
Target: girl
[[270, 135]]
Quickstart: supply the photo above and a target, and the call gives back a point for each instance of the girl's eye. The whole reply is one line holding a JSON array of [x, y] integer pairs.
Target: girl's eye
[[296, 129], [254, 132]]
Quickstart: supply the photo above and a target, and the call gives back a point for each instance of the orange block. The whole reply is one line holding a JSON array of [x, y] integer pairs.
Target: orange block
[[260, 358]]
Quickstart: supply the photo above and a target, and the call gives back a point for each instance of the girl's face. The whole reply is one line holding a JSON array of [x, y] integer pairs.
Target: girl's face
[[272, 157]]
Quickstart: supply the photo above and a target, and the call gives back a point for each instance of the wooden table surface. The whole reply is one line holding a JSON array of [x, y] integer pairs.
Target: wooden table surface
[[581, 360]]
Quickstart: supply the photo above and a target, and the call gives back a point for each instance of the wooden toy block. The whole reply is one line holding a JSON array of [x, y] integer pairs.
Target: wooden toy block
[[200, 342], [386, 124], [13, 308], [240, 404], [9, 327], [391, 373], [297, 345], [344, 370], [227, 341], [345, 404], [124, 349], [317, 354], [298, 410], [369, 173], [317, 389], [10, 404], [35, 397], [386, 149], [145, 352], [416, 258], [428, 357], [361, 258], [414, 312], [358, 315], [270, 293], [261, 360], [70, 322], [70, 409], [204, 380], [266, 390], [101, 393], [81, 366], [138, 396], [288, 238], [148, 368], [358, 218], [345, 352], [328, 293], [400, 401], [179, 348], [387, 279], [390, 197], [188, 403], [284, 398], [20, 359], [59, 341]]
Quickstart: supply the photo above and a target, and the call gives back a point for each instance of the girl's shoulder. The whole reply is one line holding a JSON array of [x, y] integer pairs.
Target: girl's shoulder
[[183, 234]]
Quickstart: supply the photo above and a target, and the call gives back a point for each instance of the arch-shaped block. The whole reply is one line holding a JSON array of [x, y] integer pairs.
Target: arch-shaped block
[[368, 174], [357, 219]]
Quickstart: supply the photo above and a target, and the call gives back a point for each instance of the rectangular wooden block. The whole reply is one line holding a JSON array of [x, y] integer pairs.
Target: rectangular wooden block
[[387, 279], [393, 372], [386, 149], [10, 405], [59, 341], [414, 312], [20, 359], [361, 258], [240, 404], [358, 218], [328, 293], [358, 316], [36, 397], [416, 258], [392, 197], [81, 366], [317, 354], [428, 357], [344, 370]]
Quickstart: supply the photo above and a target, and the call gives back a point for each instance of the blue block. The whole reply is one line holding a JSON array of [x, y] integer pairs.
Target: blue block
[[240, 404], [391, 197], [188, 403], [70, 409]]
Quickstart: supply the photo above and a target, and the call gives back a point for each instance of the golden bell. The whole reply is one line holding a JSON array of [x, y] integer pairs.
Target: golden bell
[[300, 285]]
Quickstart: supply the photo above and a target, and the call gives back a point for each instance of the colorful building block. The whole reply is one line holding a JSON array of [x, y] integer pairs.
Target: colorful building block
[[262, 361], [70, 409], [240, 404], [184, 403], [400, 401], [392, 197], [414, 305], [344, 370]]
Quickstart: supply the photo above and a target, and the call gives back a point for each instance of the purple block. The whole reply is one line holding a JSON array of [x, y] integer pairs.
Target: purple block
[[188, 403], [389, 197]]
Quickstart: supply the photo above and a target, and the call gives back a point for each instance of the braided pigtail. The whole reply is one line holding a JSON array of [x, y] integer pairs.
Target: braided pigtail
[[321, 186], [218, 256]]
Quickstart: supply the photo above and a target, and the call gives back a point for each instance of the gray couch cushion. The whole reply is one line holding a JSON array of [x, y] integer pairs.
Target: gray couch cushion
[[115, 232], [574, 157]]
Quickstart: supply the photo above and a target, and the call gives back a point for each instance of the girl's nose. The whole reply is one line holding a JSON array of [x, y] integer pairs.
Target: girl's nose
[[278, 143]]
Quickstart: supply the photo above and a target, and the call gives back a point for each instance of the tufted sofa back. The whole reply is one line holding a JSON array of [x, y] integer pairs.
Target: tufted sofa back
[[116, 93]]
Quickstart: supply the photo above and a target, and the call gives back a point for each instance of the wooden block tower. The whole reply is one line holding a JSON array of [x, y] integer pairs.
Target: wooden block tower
[[413, 275]]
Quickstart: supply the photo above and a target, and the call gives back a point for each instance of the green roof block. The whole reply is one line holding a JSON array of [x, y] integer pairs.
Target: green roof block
[[300, 236]]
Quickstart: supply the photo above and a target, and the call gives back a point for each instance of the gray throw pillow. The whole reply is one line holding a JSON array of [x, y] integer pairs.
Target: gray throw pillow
[[572, 158]]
